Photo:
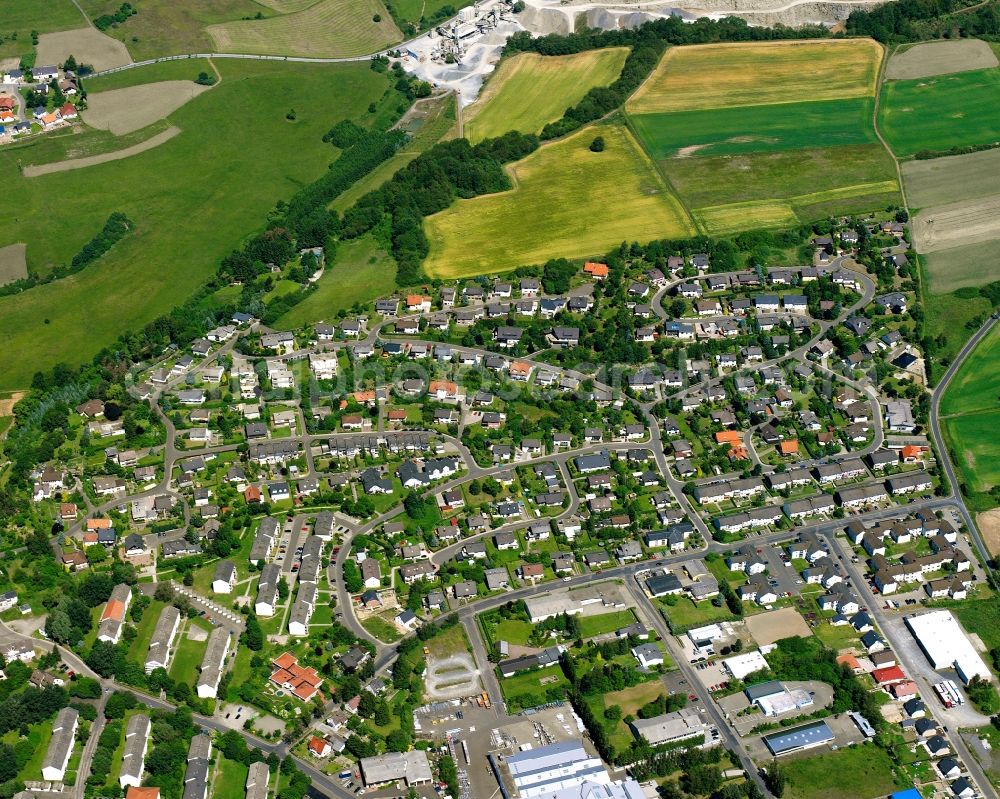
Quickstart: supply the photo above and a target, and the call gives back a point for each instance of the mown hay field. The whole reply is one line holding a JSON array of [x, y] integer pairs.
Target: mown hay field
[[24, 16], [87, 45], [330, 28], [943, 57], [172, 27], [938, 181], [528, 90], [179, 195], [125, 110], [941, 113], [766, 128], [567, 202], [13, 263], [724, 75]]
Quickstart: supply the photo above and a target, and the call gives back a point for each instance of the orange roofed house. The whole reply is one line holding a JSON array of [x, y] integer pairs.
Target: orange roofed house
[[443, 390], [733, 437], [596, 270], [417, 303], [135, 792], [520, 370], [912, 453], [319, 747], [789, 447], [301, 681]]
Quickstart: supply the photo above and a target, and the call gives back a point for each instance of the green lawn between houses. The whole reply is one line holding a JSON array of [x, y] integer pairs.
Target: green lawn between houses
[[144, 631], [230, 779], [605, 623], [187, 659]]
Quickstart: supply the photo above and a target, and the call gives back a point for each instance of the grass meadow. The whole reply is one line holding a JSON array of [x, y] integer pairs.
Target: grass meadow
[[528, 90], [185, 69], [171, 27], [942, 112], [970, 411], [328, 28], [725, 75], [765, 128], [362, 270], [24, 16], [855, 772], [180, 196], [567, 202]]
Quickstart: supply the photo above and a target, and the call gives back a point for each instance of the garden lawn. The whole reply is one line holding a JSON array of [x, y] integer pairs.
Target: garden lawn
[[530, 683], [24, 16], [567, 202], [855, 772], [605, 623], [450, 642], [39, 735], [724, 75], [942, 112], [765, 128], [144, 631], [187, 659], [360, 272], [513, 631], [383, 630], [183, 224], [328, 28], [687, 614], [528, 90], [230, 779]]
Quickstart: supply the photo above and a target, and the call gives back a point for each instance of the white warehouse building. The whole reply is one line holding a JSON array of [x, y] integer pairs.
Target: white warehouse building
[[946, 645]]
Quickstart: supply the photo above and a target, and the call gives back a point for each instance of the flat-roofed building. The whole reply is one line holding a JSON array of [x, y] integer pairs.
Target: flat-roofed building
[[158, 655], [796, 739], [670, 727], [60, 745], [134, 756], [946, 645], [213, 663], [411, 767]]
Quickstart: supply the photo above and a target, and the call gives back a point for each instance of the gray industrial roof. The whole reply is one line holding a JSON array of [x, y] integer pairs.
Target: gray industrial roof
[[798, 738]]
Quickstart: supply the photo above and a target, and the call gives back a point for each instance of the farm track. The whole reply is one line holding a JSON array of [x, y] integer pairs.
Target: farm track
[[92, 160], [878, 101]]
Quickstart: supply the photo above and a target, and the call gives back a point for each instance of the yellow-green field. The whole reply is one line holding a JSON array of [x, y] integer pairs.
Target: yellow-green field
[[724, 75], [329, 28], [529, 90], [567, 202]]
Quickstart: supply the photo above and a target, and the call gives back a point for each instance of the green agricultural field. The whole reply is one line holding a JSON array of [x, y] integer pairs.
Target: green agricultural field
[[855, 772], [328, 28], [360, 272], [568, 202], [974, 388], [183, 225], [757, 129], [965, 265], [529, 90], [973, 444], [942, 112], [21, 17], [724, 75], [605, 623], [172, 27], [185, 69], [808, 183], [970, 411]]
